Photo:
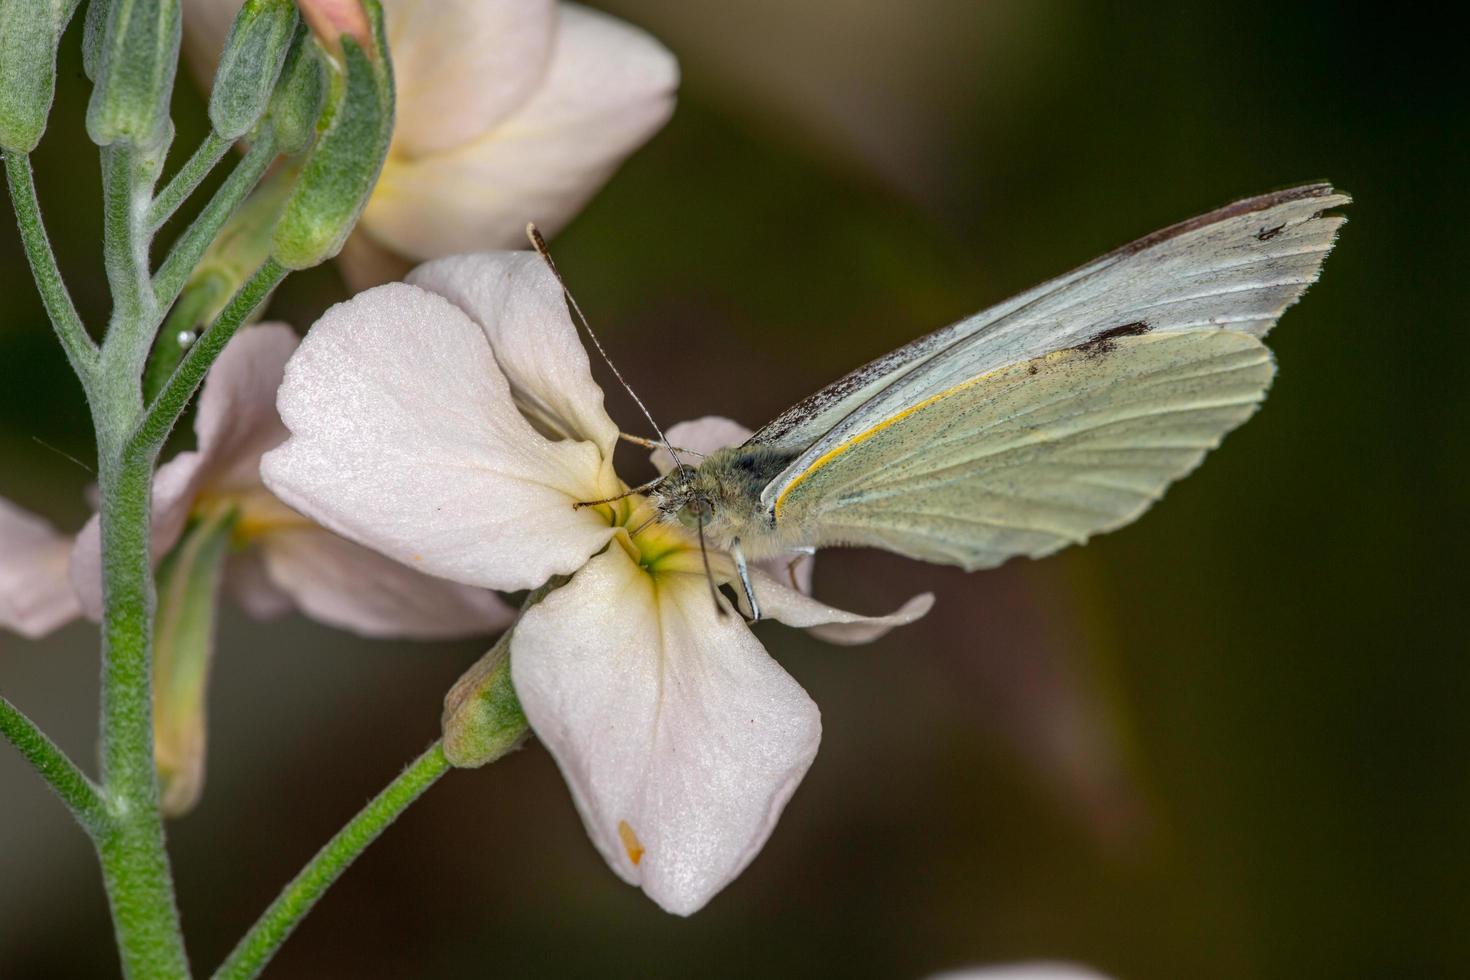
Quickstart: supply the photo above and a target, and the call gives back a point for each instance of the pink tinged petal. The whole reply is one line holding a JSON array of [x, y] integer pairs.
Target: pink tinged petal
[[701, 435], [609, 88], [346, 585], [461, 66], [36, 596], [405, 439], [249, 584], [237, 421], [680, 738], [520, 305], [1024, 971], [364, 263], [781, 602], [176, 485]]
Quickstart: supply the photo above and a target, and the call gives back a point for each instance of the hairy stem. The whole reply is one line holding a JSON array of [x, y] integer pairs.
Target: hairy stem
[[80, 349], [135, 865], [265, 938], [183, 183], [79, 793], [186, 378], [192, 244]]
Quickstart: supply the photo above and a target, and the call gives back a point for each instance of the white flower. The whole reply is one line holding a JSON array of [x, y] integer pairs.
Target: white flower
[[36, 595], [453, 422], [1024, 971], [281, 558], [508, 111]]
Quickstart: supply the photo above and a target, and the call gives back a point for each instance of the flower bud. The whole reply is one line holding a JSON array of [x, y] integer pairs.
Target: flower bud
[[250, 64], [135, 65], [30, 31], [483, 719], [341, 167], [297, 101], [183, 648]]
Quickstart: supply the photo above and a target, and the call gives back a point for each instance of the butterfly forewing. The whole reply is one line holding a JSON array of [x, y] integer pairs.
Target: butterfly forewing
[[1240, 267], [1034, 456]]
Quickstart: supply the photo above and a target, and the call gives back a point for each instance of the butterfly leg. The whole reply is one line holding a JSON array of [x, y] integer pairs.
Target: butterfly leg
[[740, 568]]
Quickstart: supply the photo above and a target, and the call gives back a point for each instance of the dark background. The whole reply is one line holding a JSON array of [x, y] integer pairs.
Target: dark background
[[1229, 741]]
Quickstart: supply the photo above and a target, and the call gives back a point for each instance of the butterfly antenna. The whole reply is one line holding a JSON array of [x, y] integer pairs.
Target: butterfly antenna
[[709, 576], [539, 244]]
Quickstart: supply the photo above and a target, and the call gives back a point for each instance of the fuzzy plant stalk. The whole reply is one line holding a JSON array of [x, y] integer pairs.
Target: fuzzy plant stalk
[[311, 95]]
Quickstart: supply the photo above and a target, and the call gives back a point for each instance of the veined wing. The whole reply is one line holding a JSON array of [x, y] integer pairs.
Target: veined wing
[[1240, 266], [1037, 455]]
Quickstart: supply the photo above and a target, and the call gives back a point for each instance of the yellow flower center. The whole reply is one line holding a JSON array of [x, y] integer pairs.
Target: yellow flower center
[[260, 512], [657, 547]]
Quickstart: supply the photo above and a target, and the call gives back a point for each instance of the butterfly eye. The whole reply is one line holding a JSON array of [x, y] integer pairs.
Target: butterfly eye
[[696, 510]]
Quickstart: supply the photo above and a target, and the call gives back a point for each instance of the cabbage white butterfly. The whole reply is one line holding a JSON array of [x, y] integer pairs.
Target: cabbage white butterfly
[[1058, 414]]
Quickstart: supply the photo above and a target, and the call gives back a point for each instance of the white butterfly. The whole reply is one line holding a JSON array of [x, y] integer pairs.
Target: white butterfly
[[1059, 414]]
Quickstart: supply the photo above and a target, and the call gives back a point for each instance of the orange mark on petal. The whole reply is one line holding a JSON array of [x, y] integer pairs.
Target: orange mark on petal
[[631, 843]]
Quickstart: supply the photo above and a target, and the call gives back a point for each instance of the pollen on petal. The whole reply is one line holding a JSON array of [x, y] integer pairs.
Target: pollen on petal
[[631, 843]]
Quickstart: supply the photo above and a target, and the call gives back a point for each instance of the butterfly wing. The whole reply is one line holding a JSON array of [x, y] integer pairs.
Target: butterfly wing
[[1239, 266], [1033, 456]]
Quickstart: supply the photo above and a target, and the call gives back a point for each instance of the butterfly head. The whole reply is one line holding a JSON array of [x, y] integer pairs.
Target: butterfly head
[[685, 497]]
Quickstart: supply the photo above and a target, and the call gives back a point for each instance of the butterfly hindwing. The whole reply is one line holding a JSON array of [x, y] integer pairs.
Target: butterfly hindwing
[[1034, 456]]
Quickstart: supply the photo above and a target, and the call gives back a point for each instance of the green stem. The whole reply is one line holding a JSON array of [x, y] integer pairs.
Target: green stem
[[266, 936], [125, 251], [135, 865], [171, 401], [183, 183], [194, 242], [80, 794], [81, 351]]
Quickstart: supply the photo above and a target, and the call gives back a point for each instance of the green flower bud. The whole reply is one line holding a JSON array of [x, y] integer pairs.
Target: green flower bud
[[250, 64], [340, 169], [135, 67], [297, 101], [483, 719], [30, 31]]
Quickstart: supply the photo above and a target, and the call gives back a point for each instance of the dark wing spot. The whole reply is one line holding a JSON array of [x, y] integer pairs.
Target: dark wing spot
[[1266, 234], [1032, 369], [1102, 343]]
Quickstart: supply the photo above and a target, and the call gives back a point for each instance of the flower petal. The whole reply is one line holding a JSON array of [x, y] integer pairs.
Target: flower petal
[[237, 421], [609, 88], [36, 596], [1024, 971], [680, 738], [780, 601], [176, 485], [702, 435], [364, 262], [250, 585], [405, 439], [346, 585], [520, 305], [461, 66]]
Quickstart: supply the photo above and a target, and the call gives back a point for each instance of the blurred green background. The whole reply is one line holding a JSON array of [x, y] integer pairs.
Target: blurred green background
[[1229, 741]]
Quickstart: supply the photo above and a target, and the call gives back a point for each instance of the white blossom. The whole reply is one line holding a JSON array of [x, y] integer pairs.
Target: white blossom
[[453, 422]]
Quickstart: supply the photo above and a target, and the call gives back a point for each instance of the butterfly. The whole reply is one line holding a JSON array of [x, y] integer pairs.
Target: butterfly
[[1061, 413]]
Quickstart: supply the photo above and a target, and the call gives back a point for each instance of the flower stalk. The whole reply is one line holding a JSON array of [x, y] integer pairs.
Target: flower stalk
[[278, 921]]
